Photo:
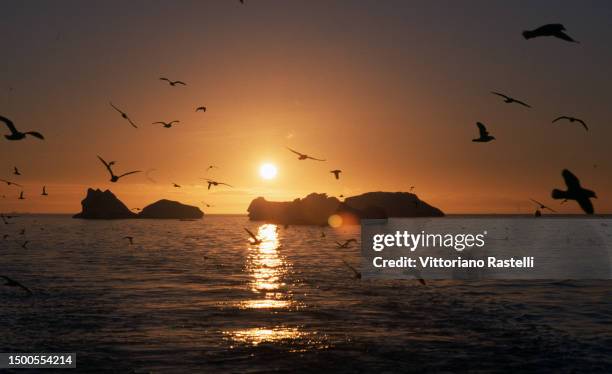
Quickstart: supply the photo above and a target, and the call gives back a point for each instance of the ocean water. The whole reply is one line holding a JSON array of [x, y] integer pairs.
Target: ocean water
[[196, 296]]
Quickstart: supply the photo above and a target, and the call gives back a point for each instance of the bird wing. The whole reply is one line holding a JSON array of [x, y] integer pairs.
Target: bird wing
[[165, 79], [352, 268], [564, 36], [114, 107], [560, 118], [129, 172], [571, 180], [550, 28], [251, 234], [482, 129], [583, 124], [9, 124], [500, 94], [522, 103], [131, 122], [107, 165], [225, 184], [316, 159], [180, 82], [536, 201], [586, 205], [296, 152]]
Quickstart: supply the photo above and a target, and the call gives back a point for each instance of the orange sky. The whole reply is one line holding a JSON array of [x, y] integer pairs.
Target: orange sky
[[389, 93]]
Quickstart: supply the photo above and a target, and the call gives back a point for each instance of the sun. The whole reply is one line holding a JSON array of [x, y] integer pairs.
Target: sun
[[268, 171]]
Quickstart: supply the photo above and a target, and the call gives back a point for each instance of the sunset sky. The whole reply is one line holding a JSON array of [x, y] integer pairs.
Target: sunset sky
[[387, 91]]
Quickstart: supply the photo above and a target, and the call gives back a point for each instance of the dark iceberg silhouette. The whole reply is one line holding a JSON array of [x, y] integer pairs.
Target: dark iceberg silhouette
[[315, 209], [105, 205], [170, 209]]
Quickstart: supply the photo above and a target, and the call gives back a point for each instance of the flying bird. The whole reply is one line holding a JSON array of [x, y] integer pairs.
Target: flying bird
[[356, 273], [124, 115], [302, 156], [8, 183], [13, 283], [130, 239], [166, 124], [575, 192], [254, 239], [44, 191], [215, 183], [510, 100], [484, 134], [173, 83], [542, 206], [16, 134], [201, 109], [572, 119], [115, 178], [211, 167], [553, 29], [336, 173], [176, 185], [16, 171], [346, 243], [208, 205], [21, 196], [24, 245]]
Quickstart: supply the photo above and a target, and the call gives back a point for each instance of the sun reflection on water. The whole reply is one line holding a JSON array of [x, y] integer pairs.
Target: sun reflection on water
[[257, 336], [268, 269]]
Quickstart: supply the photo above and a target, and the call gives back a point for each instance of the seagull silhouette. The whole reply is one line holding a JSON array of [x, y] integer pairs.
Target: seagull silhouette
[[346, 243], [25, 244], [21, 196], [575, 192], [542, 206], [166, 124], [553, 29], [16, 171], [208, 205], [16, 134], [130, 239], [124, 115], [211, 167], [115, 178], [44, 191], [254, 239], [176, 185], [510, 100], [173, 83], [336, 173], [302, 156], [8, 183], [484, 134], [13, 283], [572, 119], [356, 273], [201, 109], [215, 183]]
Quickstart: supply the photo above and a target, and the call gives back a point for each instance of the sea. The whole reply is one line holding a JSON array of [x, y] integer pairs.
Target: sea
[[199, 297]]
